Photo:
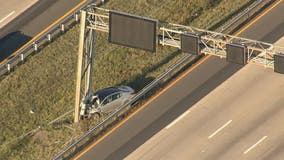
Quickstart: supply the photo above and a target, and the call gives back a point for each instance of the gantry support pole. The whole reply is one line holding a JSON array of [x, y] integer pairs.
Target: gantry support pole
[[90, 61]]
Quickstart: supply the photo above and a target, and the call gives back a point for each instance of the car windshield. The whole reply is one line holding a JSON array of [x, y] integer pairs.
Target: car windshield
[[106, 101]]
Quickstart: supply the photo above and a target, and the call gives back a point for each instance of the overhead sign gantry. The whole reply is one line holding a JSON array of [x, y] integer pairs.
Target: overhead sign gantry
[[144, 33]]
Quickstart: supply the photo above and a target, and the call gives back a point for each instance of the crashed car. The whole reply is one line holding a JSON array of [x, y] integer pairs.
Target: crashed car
[[105, 100]]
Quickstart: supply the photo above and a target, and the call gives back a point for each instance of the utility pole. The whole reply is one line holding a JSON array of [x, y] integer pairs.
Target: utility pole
[[79, 66], [85, 64]]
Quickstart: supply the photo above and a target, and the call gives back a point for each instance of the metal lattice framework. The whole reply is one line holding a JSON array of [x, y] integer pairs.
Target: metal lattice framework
[[98, 19], [213, 43]]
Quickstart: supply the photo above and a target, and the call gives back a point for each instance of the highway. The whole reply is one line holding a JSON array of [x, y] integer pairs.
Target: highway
[[22, 20], [227, 122], [215, 110]]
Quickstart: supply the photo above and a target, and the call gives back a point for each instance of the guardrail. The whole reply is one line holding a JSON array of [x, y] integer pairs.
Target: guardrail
[[114, 117], [245, 16], [19, 56]]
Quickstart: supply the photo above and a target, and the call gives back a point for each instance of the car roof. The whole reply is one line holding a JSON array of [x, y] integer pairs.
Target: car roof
[[102, 94]]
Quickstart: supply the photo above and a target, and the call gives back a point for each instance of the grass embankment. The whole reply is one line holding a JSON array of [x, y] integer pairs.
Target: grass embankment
[[45, 84]]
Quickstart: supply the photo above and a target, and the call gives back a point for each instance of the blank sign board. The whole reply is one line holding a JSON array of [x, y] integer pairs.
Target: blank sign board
[[190, 44], [279, 63], [236, 53], [132, 31]]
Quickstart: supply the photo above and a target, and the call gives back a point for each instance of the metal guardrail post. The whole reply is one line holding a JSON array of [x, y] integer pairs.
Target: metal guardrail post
[[248, 15], [49, 37], [62, 28], [35, 47], [76, 17], [22, 58], [9, 67]]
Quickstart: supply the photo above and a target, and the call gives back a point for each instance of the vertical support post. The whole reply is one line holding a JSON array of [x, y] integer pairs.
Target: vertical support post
[[163, 39], [90, 62], [79, 66], [265, 57], [96, 21], [215, 47]]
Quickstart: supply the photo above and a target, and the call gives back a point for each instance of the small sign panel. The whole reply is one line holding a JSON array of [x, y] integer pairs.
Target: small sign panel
[[236, 53], [279, 63], [190, 44]]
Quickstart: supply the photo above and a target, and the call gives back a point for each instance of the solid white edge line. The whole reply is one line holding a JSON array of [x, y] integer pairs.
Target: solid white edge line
[[219, 129], [3, 19], [176, 120], [259, 141]]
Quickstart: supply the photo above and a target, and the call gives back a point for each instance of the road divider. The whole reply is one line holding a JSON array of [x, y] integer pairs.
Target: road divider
[[257, 143], [10, 14], [178, 119], [219, 129]]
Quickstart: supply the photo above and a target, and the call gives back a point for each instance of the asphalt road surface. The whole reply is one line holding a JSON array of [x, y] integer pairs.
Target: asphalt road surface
[[22, 20], [216, 111], [13, 8], [240, 119], [270, 28]]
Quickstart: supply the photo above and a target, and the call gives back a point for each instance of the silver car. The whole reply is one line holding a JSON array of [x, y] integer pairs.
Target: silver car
[[105, 100]]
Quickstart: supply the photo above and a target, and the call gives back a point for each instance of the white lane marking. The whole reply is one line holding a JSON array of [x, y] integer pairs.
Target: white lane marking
[[250, 148], [176, 120], [3, 19], [219, 129]]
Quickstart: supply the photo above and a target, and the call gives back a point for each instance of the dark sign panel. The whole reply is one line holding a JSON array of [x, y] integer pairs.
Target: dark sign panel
[[279, 63], [190, 44], [236, 53], [132, 31]]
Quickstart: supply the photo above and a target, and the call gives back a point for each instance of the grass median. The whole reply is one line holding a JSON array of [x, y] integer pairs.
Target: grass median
[[43, 88]]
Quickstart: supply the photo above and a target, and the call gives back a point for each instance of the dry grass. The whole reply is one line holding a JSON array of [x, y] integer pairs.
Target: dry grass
[[46, 82]]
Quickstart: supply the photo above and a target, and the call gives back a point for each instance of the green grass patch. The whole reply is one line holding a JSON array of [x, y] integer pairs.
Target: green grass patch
[[45, 84]]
